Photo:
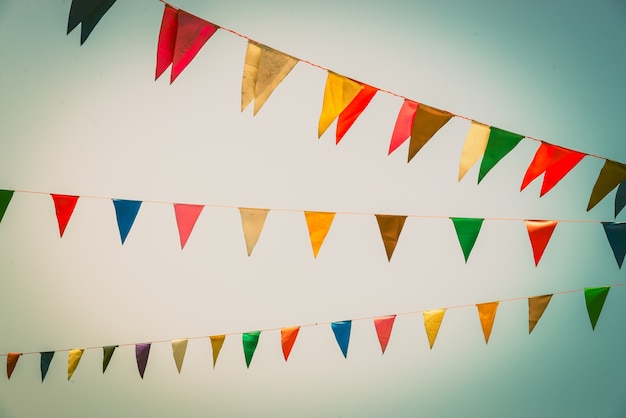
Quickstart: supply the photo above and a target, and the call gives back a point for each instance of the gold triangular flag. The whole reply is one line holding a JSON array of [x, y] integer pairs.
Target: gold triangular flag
[[73, 359], [338, 94], [487, 314], [179, 348], [216, 345], [318, 224], [536, 306], [273, 68], [390, 228], [474, 147], [426, 123], [610, 176], [252, 221], [250, 72], [432, 322]]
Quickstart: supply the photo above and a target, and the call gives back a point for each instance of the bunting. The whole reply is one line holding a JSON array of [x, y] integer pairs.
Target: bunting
[[250, 340], [5, 199], [620, 198], [432, 323], [487, 314], [594, 298], [217, 341], [252, 222], [539, 233], [390, 229], [44, 363], [339, 92], [611, 175], [318, 224], [499, 144], [341, 329], [404, 124], [353, 111], [616, 235], [64, 206], [383, 326], [89, 13], [125, 212], [264, 69], [426, 124], [536, 307], [142, 352], [555, 162], [467, 230], [186, 217], [107, 352], [73, 358], [179, 348], [474, 146], [287, 339], [12, 359]]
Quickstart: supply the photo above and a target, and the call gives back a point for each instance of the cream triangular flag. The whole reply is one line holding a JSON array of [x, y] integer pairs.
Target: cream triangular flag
[[179, 348], [432, 322], [252, 222], [474, 147], [73, 359]]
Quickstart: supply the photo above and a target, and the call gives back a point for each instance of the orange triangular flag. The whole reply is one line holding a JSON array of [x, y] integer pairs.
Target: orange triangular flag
[[536, 306], [474, 147], [217, 341], [432, 322], [487, 314], [12, 359], [427, 122], [353, 110], [287, 339], [64, 206], [338, 94], [186, 217], [384, 325], [539, 233], [390, 228], [318, 224], [252, 221]]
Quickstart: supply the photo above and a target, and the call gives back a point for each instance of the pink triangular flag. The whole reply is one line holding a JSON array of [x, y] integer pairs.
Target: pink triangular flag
[[384, 325], [64, 206], [186, 217], [539, 233], [404, 124]]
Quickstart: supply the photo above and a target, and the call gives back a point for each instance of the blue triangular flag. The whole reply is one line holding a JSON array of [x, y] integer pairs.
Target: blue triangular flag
[[616, 234], [126, 212], [620, 198], [46, 358], [341, 330]]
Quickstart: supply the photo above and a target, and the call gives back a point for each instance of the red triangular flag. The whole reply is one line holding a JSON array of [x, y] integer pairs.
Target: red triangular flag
[[186, 217], [555, 162], [404, 124], [353, 110], [384, 326], [287, 339], [12, 359], [64, 206], [167, 40], [539, 233]]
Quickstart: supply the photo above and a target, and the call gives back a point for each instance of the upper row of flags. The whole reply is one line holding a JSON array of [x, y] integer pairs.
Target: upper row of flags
[[182, 35]]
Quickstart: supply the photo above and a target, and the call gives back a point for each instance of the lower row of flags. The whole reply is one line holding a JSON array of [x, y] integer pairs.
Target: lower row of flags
[[594, 299]]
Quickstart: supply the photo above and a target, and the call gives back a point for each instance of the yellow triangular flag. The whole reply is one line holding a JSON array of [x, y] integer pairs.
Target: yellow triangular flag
[[319, 224], [487, 314], [338, 94], [73, 359], [216, 345], [432, 322], [474, 147], [536, 306], [250, 72], [390, 228], [252, 221], [179, 348], [273, 68]]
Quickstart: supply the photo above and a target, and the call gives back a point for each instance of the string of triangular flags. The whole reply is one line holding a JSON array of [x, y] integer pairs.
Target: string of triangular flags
[[319, 224], [594, 300], [182, 35]]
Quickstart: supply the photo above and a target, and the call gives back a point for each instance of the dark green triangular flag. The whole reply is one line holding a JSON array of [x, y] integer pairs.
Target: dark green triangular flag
[[46, 358], [467, 230], [250, 341], [108, 353], [500, 143], [595, 297], [5, 198]]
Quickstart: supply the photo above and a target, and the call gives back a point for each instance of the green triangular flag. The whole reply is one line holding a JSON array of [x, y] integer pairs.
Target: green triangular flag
[[108, 353], [250, 341], [5, 198], [500, 143], [595, 297], [467, 230]]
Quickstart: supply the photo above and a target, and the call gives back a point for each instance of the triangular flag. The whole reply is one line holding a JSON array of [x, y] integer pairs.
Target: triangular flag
[[616, 234], [44, 363], [179, 348], [125, 212], [73, 358], [353, 110], [250, 341], [467, 230], [89, 13], [594, 298], [555, 162], [426, 123], [500, 143], [5, 199], [338, 94], [264, 69], [474, 146], [432, 322], [12, 359], [107, 354], [384, 325], [252, 222], [287, 339], [64, 206], [390, 228], [341, 329], [142, 351], [536, 306], [404, 124], [611, 174], [539, 233], [217, 341], [181, 37], [318, 224], [186, 217], [620, 199], [487, 314]]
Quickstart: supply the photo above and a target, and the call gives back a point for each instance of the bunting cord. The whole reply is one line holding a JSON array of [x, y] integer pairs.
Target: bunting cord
[[221, 206], [312, 64], [315, 324]]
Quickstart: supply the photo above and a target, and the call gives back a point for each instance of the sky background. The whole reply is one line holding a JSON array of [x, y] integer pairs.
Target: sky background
[[90, 120]]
